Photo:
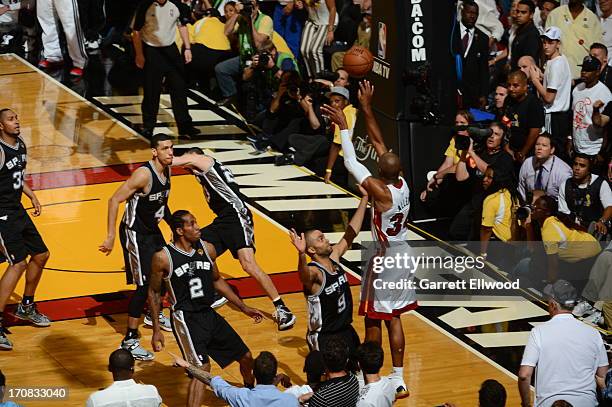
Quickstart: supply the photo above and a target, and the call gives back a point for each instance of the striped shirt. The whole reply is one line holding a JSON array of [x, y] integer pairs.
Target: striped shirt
[[338, 392]]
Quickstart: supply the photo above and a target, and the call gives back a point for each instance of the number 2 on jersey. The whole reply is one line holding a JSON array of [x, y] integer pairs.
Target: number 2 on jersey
[[195, 288], [396, 224]]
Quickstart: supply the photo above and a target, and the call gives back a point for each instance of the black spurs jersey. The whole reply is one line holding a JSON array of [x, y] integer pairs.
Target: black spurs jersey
[[12, 173], [331, 309], [143, 212], [190, 281], [222, 192]]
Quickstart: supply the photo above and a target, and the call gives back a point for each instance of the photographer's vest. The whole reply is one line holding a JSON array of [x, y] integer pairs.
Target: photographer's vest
[[584, 203]]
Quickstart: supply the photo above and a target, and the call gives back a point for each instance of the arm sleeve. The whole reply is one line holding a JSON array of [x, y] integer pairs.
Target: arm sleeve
[[531, 355], [266, 26], [550, 238], [358, 170]]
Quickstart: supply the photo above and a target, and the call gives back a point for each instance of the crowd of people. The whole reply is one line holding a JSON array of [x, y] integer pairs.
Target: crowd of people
[[528, 160]]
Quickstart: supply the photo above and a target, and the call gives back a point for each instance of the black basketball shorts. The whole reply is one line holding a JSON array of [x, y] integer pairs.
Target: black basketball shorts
[[206, 333], [138, 251], [18, 236], [230, 233]]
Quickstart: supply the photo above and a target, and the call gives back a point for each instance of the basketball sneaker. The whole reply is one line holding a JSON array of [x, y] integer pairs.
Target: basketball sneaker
[[595, 319], [583, 307], [137, 351], [30, 313], [5, 343], [164, 321], [401, 390], [284, 318]]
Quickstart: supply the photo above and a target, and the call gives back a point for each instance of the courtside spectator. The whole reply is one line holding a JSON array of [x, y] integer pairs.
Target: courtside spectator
[[600, 52], [568, 354], [378, 390], [546, 6], [318, 32], [499, 99], [606, 23], [543, 171], [525, 115], [588, 97], [2, 388], [580, 27], [491, 394], [289, 23], [124, 391], [527, 39], [339, 98], [315, 370], [555, 89], [341, 389]]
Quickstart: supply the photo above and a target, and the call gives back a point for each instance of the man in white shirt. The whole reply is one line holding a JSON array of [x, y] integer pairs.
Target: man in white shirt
[[124, 392], [606, 23], [588, 138], [378, 390], [555, 89], [568, 354]]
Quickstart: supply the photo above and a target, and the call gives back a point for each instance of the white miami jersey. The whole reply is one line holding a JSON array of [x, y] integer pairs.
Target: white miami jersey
[[392, 225]]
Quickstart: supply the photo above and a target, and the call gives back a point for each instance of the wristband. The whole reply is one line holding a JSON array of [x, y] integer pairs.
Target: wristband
[[328, 170], [187, 49]]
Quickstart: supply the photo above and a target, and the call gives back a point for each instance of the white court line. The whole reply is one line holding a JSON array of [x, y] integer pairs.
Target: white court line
[[87, 102]]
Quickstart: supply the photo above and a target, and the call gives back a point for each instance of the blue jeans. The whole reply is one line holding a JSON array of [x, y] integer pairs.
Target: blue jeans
[[289, 27], [226, 72]]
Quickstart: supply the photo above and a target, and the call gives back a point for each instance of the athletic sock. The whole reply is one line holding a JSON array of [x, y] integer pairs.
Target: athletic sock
[[278, 302], [27, 300], [131, 334], [398, 371]]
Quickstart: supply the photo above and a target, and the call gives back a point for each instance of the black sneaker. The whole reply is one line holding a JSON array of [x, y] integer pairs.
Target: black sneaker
[[189, 132], [147, 132], [226, 102], [261, 145], [284, 318], [285, 159]]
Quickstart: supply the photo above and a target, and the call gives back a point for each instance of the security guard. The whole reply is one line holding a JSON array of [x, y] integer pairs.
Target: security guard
[[153, 35]]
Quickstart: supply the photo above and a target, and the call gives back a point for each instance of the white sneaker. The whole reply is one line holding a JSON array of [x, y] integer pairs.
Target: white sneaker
[[583, 307], [401, 389], [596, 318], [164, 322], [137, 351]]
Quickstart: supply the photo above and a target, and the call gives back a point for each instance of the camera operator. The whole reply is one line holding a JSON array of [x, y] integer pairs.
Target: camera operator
[[263, 74], [543, 171], [471, 169], [253, 29], [586, 197]]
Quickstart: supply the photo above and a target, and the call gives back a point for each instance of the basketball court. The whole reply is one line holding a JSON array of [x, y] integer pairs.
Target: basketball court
[[79, 151]]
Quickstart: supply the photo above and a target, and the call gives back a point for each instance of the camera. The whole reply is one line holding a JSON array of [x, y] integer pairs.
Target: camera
[[327, 75], [523, 212], [477, 134], [264, 59], [316, 90]]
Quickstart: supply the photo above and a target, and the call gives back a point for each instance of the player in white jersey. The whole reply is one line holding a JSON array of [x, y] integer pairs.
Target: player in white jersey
[[390, 206]]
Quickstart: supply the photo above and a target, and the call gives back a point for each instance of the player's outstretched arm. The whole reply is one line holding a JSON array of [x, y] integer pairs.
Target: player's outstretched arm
[[159, 268], [138, 181], [223, 288], [308, 275], [354, 227], [365, 94], [198, 162]]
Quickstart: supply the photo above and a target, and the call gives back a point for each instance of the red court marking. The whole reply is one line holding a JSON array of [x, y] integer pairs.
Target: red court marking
[[95, 305], [86, 176]]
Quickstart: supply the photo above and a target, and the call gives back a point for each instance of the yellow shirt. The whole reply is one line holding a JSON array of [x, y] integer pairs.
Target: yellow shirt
[[560, 240], [351, 117], [576, 35], [497, 214], [451, 151], [208, 31]]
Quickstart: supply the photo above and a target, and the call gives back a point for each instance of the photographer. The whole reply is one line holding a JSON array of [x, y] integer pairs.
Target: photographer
[[471, 169], [253, 29], [585, 197]]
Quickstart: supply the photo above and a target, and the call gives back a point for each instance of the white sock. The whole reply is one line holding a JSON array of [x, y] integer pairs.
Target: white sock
[[398, 371]]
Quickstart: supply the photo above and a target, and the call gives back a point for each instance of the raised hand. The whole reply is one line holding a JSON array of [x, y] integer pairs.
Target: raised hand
[[335, 115], [365, 94], [298, 241]]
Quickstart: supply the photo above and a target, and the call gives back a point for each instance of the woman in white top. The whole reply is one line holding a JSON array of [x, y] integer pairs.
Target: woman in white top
[[318, 32]]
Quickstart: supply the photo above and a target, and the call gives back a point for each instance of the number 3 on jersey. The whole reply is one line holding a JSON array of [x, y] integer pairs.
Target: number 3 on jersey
[[18, 176], [397, 222]]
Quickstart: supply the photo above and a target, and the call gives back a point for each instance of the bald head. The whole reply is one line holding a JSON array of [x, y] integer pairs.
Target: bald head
[[390, 166], [525, 63]]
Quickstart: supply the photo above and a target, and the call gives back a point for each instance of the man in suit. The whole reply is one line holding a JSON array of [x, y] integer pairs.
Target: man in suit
[[472, 45]]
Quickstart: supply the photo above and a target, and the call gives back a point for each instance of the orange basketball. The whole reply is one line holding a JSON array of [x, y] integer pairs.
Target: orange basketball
[[358, 61]]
